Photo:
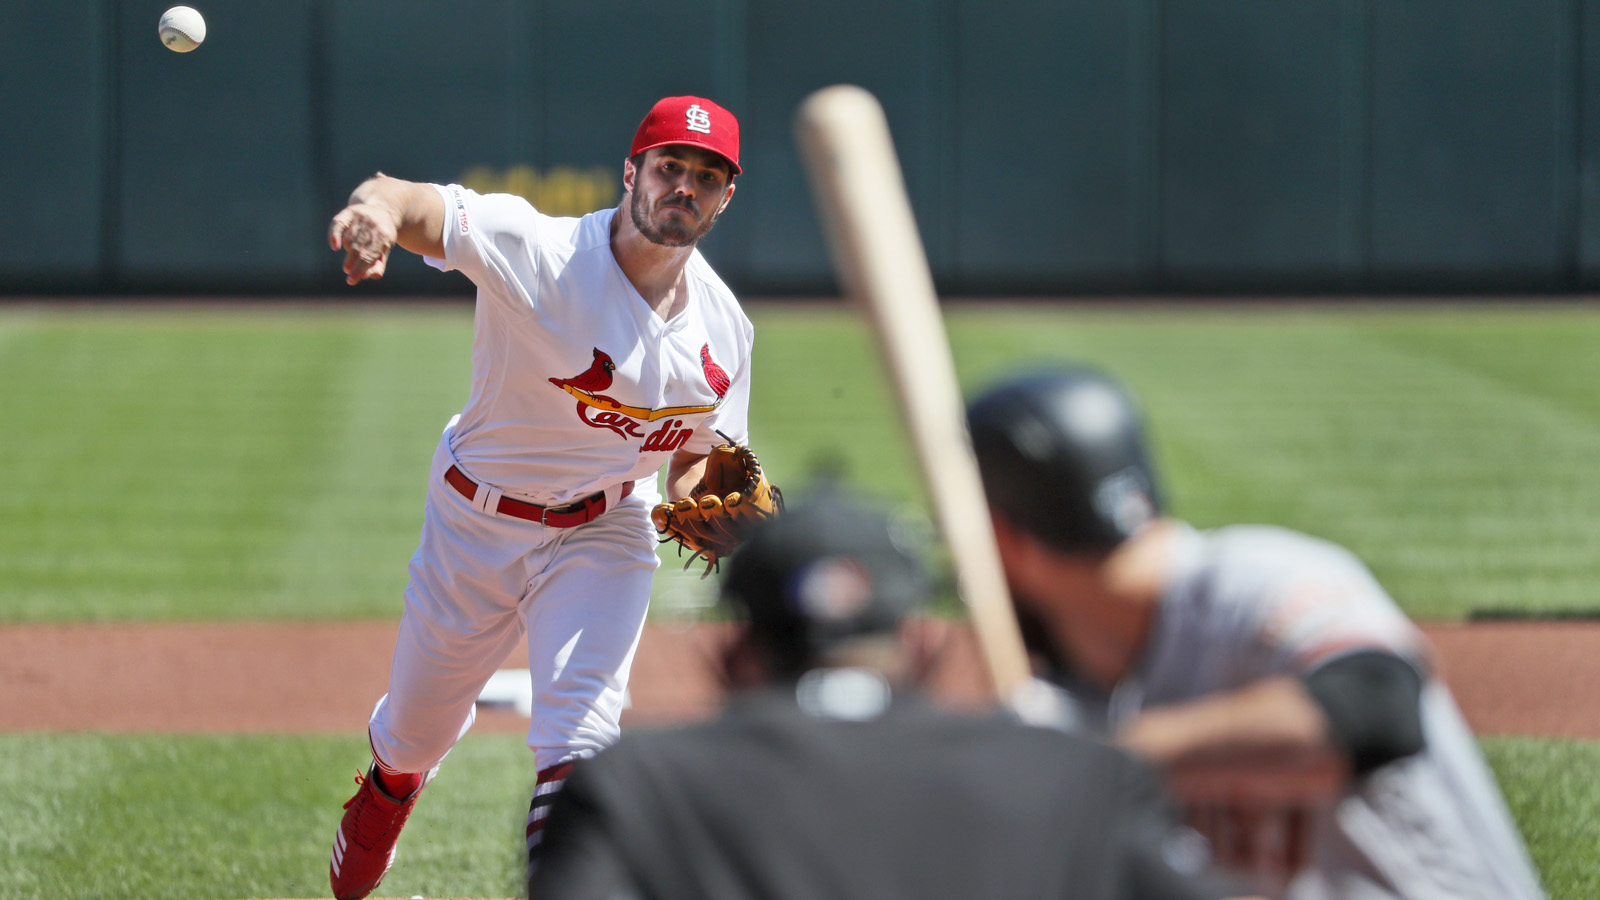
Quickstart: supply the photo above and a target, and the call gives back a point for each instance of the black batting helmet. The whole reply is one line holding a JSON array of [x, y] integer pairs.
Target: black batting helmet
[[1063, 456]]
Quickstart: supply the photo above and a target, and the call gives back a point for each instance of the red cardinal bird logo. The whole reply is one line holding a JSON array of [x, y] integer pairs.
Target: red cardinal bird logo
[[596, 378], [715, 377], [597, 410]]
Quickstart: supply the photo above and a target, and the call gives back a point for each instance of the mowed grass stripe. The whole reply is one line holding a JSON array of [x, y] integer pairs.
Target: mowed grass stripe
[[822, 404], [1555, 800], [203, 818], [268, 463], [351, 539], [1464, 489], [176, 464], [156, 458]]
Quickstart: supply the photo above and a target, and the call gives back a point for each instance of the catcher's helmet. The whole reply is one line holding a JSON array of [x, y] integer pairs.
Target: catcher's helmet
[[830, 569], [1063, 456]]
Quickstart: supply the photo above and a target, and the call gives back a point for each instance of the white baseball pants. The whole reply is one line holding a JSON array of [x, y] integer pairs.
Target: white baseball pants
[[479, 583]]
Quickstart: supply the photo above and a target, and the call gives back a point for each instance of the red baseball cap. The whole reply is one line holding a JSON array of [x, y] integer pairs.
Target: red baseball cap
[[695, 121]]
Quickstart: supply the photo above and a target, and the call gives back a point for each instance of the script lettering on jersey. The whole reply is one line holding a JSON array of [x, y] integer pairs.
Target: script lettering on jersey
[[598, 409], [615, 421], [670, 436]]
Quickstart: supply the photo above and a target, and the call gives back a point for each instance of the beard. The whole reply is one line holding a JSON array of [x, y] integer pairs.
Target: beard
[[669, 232]]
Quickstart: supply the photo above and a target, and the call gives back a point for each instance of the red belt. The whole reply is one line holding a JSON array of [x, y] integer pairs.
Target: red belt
[[570, 516]]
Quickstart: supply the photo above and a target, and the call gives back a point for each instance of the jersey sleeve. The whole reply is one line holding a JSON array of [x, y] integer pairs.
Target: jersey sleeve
[[488, 238], [1156, 857], [1323, 614]]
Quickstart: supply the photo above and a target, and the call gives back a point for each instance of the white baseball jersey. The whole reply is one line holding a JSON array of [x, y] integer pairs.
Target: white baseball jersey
[[1249, 602], [577, 384], [578, 387]]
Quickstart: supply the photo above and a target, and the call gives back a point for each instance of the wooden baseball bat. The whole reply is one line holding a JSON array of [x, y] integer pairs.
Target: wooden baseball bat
[[877, 253]]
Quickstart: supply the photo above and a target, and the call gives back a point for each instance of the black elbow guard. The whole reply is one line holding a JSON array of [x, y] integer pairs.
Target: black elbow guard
[[1373, 701]]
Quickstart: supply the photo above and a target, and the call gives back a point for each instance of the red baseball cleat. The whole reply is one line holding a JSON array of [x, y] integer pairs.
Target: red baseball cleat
[[363, 850]]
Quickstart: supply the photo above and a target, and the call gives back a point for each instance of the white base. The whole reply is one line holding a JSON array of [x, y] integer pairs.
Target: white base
[[509, 688]]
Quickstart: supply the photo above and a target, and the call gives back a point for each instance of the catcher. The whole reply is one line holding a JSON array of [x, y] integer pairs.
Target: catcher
[[1266, 670], [714, 518]]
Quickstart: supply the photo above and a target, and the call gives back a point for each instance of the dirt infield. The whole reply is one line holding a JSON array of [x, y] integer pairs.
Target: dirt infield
[[1531, 678]]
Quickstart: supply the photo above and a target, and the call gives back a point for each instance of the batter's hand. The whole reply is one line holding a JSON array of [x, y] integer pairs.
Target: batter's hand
[[366, 232], [1261, 817]]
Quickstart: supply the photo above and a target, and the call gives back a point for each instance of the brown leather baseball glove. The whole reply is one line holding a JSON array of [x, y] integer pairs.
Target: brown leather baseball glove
[[732, 495]]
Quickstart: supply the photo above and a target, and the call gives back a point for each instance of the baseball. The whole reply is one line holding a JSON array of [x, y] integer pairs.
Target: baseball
[[182, 29]]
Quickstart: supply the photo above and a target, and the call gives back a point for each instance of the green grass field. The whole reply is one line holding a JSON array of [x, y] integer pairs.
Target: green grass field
[[250, 464], [88, 816]]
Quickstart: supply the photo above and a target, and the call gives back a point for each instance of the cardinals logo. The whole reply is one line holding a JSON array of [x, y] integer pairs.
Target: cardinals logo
[[597, 409], [715, 377], [593, 380]]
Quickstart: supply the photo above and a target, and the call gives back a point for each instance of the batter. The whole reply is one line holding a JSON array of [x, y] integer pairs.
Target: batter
[[1243, 641], [604, 348]]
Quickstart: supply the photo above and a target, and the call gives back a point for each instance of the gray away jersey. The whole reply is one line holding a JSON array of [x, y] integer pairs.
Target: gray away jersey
[[1249, 602]]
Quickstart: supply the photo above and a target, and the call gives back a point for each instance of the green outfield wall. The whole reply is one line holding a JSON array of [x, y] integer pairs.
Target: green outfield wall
[[1051, 146]]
